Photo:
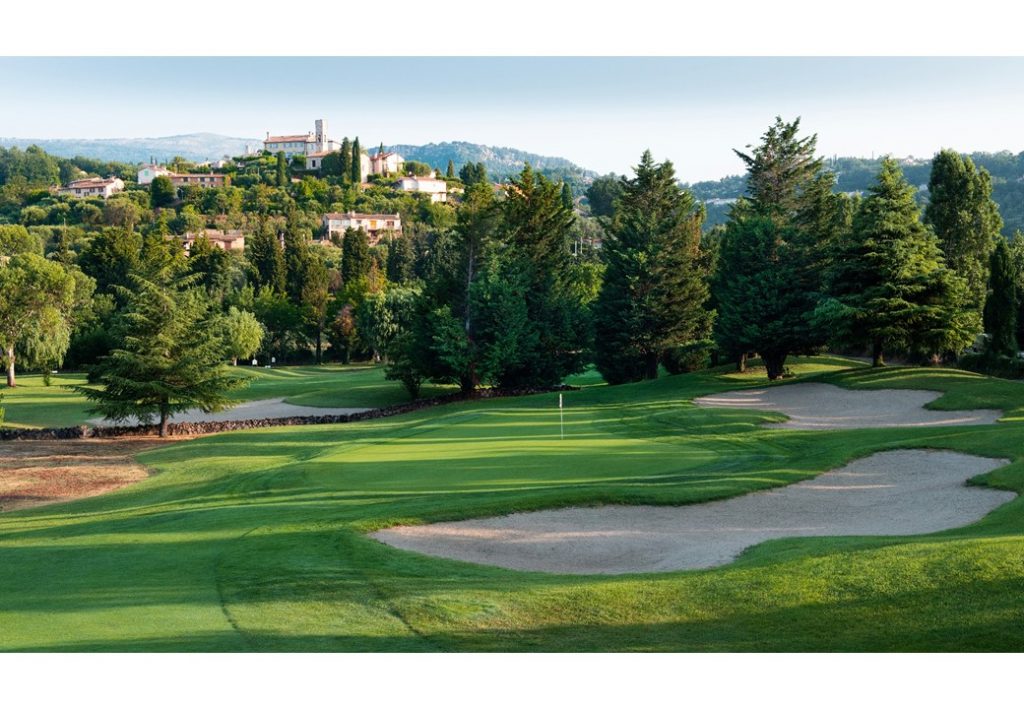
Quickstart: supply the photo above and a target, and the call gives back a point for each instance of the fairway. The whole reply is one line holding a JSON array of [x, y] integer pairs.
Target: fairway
[[257, 540], [32, 404]]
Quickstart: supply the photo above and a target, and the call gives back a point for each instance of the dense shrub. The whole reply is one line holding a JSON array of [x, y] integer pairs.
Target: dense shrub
[[689, 357]]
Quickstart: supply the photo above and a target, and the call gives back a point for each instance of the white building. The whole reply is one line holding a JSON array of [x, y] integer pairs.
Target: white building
[[315, 142], [147, 173], [436, 188], [315, 161], [386, 163], [375, 225], [94, 187]]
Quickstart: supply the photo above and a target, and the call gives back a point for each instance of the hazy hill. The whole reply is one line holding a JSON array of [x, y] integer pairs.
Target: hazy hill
[[193, 146], [500, 162]]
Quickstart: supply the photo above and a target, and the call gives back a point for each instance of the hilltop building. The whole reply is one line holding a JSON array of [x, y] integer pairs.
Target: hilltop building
[[148, 173], [315, 142], [386, 163], [436, 188], [315, 161], [94, 187], [375, 225]]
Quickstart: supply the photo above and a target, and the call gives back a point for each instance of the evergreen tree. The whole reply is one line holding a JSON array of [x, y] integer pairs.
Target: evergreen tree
[[889, 286], [170, 356], [535, 231], [266, 258], [965, 219], [401, 260], [357, 162], [450, 172], [345, 172], [212, 266], [297, 257], [602, 193], [355, 256], [473, 174], [654, 289], [1001, 304], [567, 200], [282, 170], [766, 284]]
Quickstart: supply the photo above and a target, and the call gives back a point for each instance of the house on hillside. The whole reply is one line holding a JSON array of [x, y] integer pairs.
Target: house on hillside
[[206, 179], [383, 163], [375, 225], [433, 186], [148, 173], [229, 239], [315, 161], [290, 145], [94, 187]]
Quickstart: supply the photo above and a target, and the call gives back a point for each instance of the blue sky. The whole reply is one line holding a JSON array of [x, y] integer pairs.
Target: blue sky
[[599, 112]]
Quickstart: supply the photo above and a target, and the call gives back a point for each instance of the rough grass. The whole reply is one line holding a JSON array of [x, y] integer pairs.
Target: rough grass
[[254, 540]]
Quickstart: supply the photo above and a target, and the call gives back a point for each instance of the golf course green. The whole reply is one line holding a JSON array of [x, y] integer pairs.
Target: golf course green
[[256, 540]]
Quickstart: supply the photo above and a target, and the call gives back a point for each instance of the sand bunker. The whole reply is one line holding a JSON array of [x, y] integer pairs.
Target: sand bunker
[[824, 406], [259, 409], [891, 493]]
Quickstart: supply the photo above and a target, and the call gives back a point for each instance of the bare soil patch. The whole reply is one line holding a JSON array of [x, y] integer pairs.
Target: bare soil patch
[[34, 473], [815, 406], [898, 492]]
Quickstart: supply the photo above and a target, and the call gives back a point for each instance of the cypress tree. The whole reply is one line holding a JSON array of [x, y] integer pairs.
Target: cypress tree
[[355, 256], [357, 162], [889, 286], [1001, 304], [567, 200], [654, 289], [965, 219], [282, 170], [450, 173], [401, 260], [346, 160], [266, 258]]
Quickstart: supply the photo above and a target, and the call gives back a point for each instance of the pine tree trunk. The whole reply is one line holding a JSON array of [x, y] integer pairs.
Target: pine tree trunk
[[651, 365], [775, 363], [10, 367], [876, 354], [741, 363], [163, 424], [319, 346]]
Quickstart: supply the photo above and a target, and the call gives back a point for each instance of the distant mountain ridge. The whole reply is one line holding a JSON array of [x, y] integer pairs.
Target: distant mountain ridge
[[500, 161], [192, 146]]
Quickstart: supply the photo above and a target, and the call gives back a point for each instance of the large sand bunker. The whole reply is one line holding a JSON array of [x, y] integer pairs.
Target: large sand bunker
[[891, 493], [259, 409], [824, 406]]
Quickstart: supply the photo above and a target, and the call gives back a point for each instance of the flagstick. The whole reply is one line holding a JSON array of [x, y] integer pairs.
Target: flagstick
[[561, 417]]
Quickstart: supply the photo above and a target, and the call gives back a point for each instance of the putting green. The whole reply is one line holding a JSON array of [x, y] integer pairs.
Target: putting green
[[255, 540]]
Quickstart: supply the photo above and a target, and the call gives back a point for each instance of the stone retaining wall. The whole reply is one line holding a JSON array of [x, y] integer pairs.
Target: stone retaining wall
[[205, 427]]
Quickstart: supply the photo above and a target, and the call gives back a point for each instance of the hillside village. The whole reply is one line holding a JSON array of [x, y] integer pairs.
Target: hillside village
[[310, 155]]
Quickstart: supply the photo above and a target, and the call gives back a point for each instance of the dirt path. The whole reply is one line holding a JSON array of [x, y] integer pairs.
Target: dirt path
[[36, 473], [814, 406], [891, 493], [259, 409]]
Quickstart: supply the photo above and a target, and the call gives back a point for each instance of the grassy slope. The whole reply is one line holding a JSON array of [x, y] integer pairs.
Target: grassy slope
[[33, 405], [253, 540]]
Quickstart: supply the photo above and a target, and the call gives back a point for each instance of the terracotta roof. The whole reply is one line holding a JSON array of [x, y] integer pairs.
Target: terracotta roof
[[356, 215], [91, 182], [321, 154], [304, 138]]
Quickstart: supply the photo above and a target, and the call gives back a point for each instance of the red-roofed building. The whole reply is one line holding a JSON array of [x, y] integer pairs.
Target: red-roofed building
[[375, 225], [94, 187], [315, 142]]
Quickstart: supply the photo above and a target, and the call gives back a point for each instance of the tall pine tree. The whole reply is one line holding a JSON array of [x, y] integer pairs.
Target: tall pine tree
[[766, 284], [357, 162], [654, 289], [889, 287]]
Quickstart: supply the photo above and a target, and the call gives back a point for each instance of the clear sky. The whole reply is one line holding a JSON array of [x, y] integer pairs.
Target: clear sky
[[598, 112]]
